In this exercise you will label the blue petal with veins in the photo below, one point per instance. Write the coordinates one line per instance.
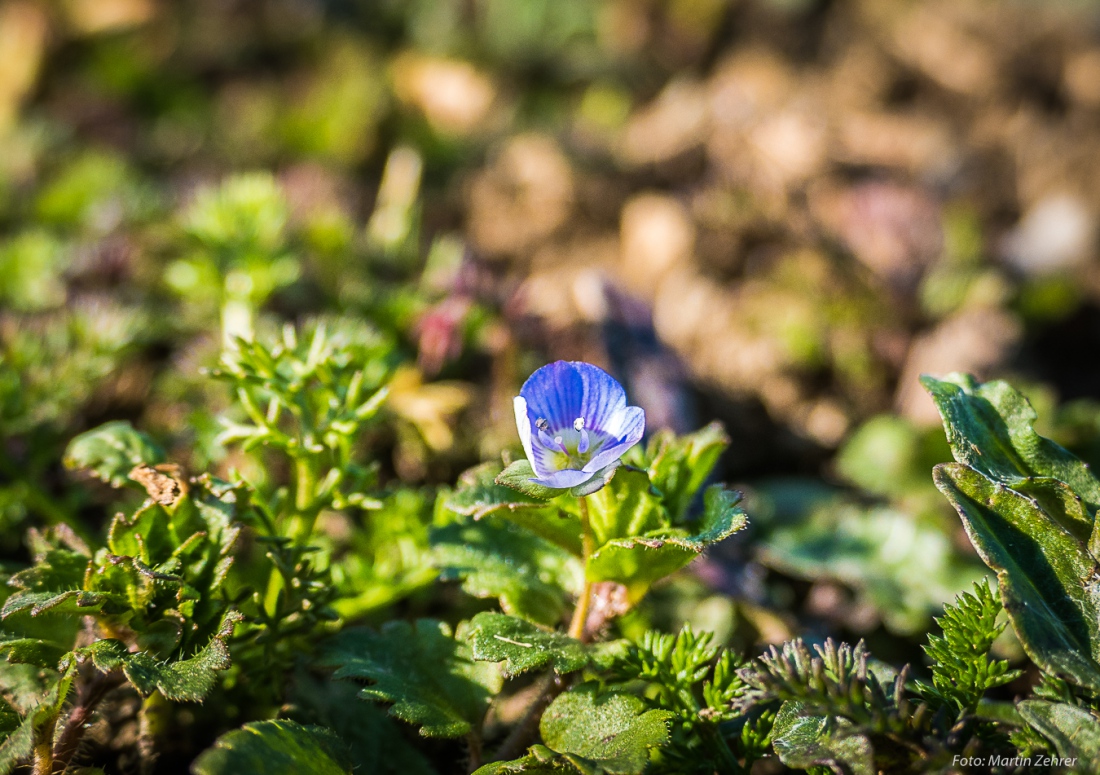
(574, 421)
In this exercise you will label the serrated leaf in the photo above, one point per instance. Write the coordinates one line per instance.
(430, 677)
(589, 733)
(1074, 731)
(1049, 583)
(531, 577)
(522, 646)
(111, 451)
(518, 476)
(275, 748)
(18, 744)
(479, 495)
(802, 740)
(374, 740)
(72, 601)
(185, 680)
(640, 560)
(990, 428)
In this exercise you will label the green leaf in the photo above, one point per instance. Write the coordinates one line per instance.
(18, 744)
(962, 670)
(589, 733)
(802, 740)
(679, 465)
(518, 477)
(640, 560)
(1047, 579)
(1074, 731)
(990, 428)
(111, 451)
(479, 495)
(522, 646)
(375, 742)
(276, 748)
(531, 577)
(186, 680)
(430, 677)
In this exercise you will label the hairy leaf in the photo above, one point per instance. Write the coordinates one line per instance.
(990, 428)
(803, 740)
(275, 747)
(1074, 731)
(522, 646)
(185, 680)
(429, 676)
(518, 476)
(589, 733)
(531, 577)
(1048, 581)
(111, 451)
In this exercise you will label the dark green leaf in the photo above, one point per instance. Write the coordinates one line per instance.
(522, 646)
(1074, 731)
(531, 577)
(802, 741)
(111, 451)
(429, 676)
(376, 743)
(275, 748)
(1047, 579)
(990, 428)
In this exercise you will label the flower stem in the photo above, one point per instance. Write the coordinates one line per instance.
(580, 613)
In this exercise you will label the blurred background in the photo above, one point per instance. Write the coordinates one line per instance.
(771, 213)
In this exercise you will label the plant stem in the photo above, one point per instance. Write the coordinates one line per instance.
(518, 738)
(88, 697)
(580, 613)
(43, 748)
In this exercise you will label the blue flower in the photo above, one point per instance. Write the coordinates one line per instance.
(573, 421)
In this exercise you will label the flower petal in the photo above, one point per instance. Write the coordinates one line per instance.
(554, 393)
(603, 397)
(561, 480)
(630, 427)
(523, 425)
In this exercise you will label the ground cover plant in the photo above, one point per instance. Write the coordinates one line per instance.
(556, 386)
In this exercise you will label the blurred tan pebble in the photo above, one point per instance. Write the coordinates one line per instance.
(95, 16)
(973, 341)
(934, 38)
(23, 28)
(674, 123)
(1082, 78)
(656, 234)
(522, 197)
(909, 142)
(453, 95)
